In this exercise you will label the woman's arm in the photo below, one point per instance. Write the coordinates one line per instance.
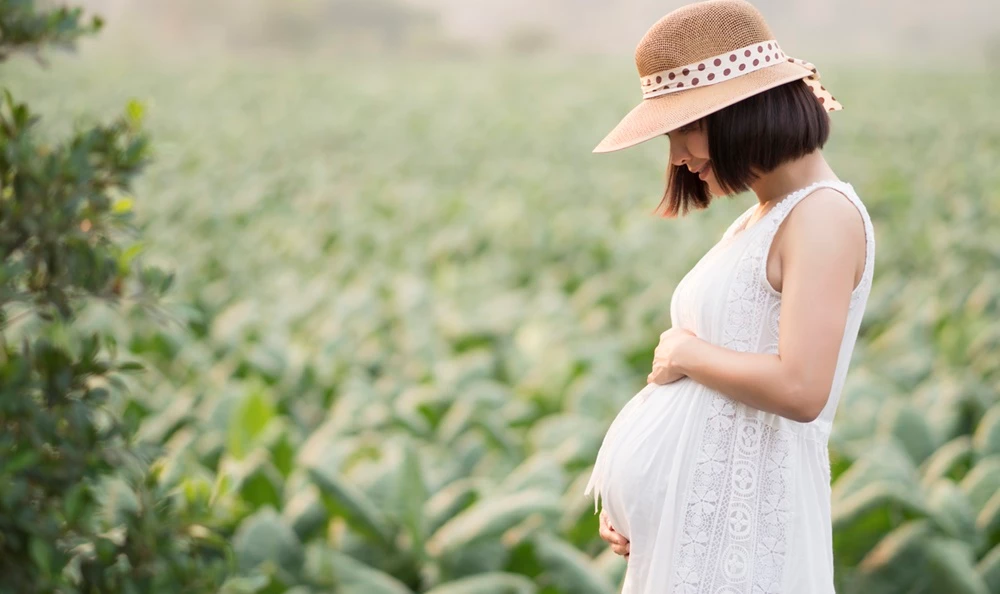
(821, 247)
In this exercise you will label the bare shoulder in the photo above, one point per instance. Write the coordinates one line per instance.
(827, 215)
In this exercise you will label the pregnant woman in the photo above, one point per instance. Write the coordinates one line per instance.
(715, 478)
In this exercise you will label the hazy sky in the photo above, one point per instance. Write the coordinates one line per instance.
(924, 28)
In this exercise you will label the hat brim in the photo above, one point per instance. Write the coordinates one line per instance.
(659, 115)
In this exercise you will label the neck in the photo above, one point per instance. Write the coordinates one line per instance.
(792, 176)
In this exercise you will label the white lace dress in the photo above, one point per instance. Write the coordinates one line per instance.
(717, 497)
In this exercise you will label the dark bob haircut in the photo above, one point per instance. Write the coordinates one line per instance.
(750, 138)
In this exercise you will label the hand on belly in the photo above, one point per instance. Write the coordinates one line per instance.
(619, 544)
(671, 343)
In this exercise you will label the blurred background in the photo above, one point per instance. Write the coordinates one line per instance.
(407, 300)
(924, 31)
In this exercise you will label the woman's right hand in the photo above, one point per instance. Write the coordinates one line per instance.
(671, 342)
(619, 544)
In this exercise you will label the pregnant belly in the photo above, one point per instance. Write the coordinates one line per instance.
(646, 451)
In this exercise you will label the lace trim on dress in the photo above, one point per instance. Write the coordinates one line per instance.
(735, 528)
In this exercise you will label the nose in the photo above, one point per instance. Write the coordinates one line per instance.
(678, 155)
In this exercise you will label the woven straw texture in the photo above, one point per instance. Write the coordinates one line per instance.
(685, 36)
(697, 31)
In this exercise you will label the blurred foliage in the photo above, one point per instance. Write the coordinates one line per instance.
(337, 26)
(407, 318)
(387, 25)
(78, 511)
(24, 27)
(991, 51)
(528, 40)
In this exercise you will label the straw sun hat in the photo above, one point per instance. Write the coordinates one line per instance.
(703, 57)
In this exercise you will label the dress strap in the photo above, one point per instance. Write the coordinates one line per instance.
(773, 219)
(786, 204)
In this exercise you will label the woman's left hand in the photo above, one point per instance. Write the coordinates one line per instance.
(665, 369)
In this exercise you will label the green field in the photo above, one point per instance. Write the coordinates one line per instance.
(410, 300)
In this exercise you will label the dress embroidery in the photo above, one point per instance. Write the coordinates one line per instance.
(735, 530)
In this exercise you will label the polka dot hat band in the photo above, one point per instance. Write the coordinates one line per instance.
(703, 57)
(722, 67)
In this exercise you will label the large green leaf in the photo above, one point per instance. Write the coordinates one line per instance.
(249, 418)
(579, 521)
(569, 569)
(326, 448)
(305, 513)
(379, 478)
(571, 437)
(541, 471)
(881, 462)
(982, 481)
(893, 565)
(952, 460)
(988, 569)
(987, 437)
(482, 556)
(425, 400)
(457, 421)
(853, 509)
(902, 421)
(264, 537)
(952, 565)
(251, 584)
(862, 520)
(255, 478)
(497, 436)
(952, 511)
(611, 565)
(345, 501)
(449, 501)
(470, 450)
(488, 583)
(412, 422)
(988, 521)
(951, 414)
(350, 576)
(489, 518)
(413, 496)
(280, 439)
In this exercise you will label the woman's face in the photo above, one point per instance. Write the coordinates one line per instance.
(689, 148)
